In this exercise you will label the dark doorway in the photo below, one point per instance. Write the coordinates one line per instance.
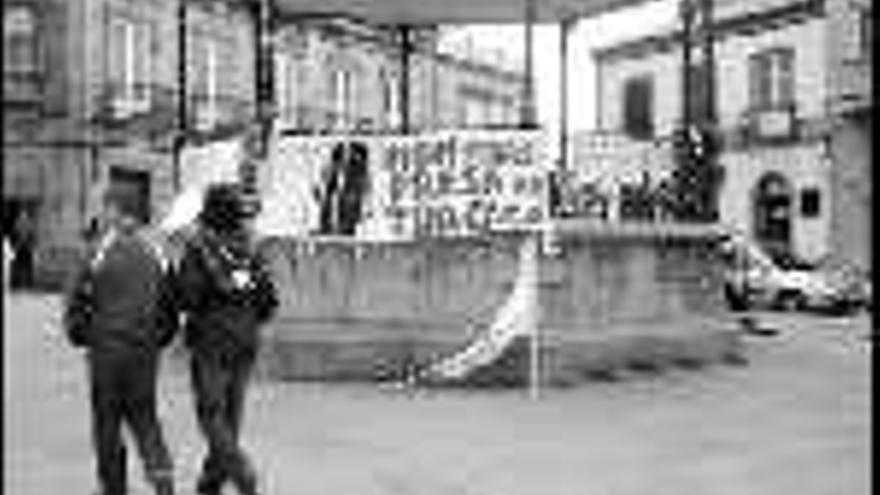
(772, 200)
(20, 226)
(136, 185)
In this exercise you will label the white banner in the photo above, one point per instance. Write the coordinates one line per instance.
(517, 317)
(403, 187)
(465, 183)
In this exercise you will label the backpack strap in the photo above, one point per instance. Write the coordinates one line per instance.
(104, 245)
(156, 250)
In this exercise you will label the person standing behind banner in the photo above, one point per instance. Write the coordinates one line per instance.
(120, 309)
(226, 294)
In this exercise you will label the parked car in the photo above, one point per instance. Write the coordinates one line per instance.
(754, 279)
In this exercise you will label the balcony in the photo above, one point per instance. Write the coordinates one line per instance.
(117, 103)
(152, 111)
(316, 119)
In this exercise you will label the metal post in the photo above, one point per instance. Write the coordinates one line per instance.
(528, 117)
(564, 28)
(264, 74)
(687, 17)
(699, 174)
(435, 98)
(182, 57)
(708, 48)
(710, 124)
(405, 34)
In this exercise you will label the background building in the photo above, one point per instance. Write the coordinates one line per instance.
(90, 102)
(851, 107)
(339, 75)
(92, 99)
(794, 109)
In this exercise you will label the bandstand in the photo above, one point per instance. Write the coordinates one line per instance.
(382, 304)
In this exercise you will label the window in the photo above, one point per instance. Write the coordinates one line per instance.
(810, 203)
(509, 111)
(129, 61)
(390, 100)
(468, 112)
(771, 79)
(638, 107)
(343, 91)
(200, 78)
(287, 87)
(211, 56)
(476, 107)
(866, 35)
(211, 89)
(20, 40)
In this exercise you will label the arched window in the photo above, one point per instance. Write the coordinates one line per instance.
(772, 200)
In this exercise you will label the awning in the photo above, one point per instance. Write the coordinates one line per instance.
(428, 12)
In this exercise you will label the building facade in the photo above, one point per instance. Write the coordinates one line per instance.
(794, 108)
(91, 102)
(93, 99)
(339, 75)
(851, 113)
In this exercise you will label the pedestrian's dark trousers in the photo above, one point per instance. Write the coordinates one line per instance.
(123, 392)
(219, 383)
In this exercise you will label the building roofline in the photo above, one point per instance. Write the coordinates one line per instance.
(378, 36)
(743, 24)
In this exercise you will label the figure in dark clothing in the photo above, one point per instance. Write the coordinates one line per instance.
(344, 188)
(23, 242)
(226, 293)
(120, 309)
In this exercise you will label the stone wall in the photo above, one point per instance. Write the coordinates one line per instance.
(352, 309)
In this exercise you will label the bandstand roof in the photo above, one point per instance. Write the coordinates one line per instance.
(428, 12)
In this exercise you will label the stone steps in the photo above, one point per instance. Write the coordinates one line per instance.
(566, 358)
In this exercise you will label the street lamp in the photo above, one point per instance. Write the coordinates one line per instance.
(697, 142)
(182, 58)
(256, 145)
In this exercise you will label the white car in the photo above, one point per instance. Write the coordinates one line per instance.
(754, 279)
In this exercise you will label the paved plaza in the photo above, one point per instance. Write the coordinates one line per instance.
(795, 420)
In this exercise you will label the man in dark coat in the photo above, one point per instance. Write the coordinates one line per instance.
(226, 293)
(120, 310)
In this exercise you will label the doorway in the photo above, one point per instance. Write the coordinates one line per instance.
(135, 185)
(772, 203)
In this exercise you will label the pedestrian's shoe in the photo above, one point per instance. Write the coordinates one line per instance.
(248, 485)
(205, 488)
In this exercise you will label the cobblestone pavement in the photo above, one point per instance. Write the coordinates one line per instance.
(795, 420)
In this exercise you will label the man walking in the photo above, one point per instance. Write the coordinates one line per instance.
(226, 293)
(120, 309)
